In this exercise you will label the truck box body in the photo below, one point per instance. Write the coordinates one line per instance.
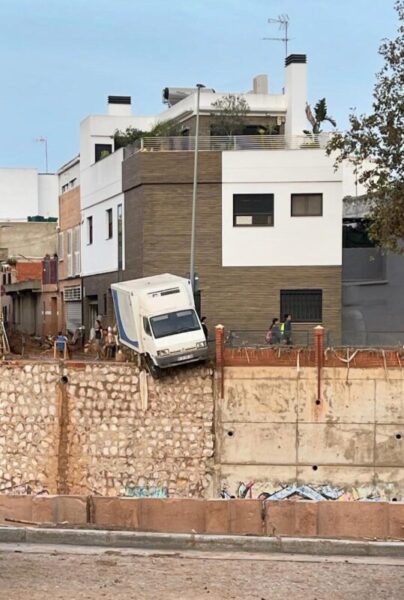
(156, 317)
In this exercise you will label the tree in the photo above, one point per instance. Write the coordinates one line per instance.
(229, 115)
(375, 145)
(130, 135)
(319, 117)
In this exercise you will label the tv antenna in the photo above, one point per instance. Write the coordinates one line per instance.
(283, 22)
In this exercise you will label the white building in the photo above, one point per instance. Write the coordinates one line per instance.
(26, 193)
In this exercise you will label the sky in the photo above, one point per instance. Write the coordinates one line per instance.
(61, 59)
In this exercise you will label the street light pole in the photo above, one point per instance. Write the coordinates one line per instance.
(194, 190)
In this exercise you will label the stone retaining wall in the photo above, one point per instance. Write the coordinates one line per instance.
(104, 429)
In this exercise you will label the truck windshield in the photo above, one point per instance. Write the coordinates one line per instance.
(175, 322)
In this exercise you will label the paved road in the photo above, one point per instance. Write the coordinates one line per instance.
(74, 573)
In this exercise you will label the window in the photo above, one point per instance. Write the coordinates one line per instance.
(175, 322)
(65, 187)
(72, 182)
(108, 214)
(89, 230)
(61, 246)
(102, 150)
(70, 253)
(307, 205)
(119, 235)
(76, 250)
(356, 235)
(253, 210)
(305, 306)
(146, 326)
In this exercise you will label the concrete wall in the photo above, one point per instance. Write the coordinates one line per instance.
(372, 297)
(32, 240)
(18, 193)
(105, 429)
(291, 241)
(271, 430)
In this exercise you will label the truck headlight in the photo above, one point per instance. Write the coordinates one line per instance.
(162, 352)
(201, 344)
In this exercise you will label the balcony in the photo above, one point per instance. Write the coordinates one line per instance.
(228, 143)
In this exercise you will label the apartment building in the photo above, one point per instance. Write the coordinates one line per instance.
(69, 251)
(269, 210)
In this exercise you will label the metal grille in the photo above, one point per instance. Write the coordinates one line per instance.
(72, 294)
(305, 306)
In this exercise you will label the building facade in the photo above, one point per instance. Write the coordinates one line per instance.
(69, 248)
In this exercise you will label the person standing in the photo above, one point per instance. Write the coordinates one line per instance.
(274, 333)
(287, 329)
(204, 327)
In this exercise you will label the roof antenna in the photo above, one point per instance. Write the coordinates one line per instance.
(283, 22)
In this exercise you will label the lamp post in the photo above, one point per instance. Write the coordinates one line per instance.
(44, 140)
(194, 190)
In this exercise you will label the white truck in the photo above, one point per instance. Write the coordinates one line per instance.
(156, 318)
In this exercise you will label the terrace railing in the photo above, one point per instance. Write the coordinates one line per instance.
(228, 143)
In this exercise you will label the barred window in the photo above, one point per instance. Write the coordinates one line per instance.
(305, 306)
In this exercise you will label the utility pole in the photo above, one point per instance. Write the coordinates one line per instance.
(283, 22)
(194, 190)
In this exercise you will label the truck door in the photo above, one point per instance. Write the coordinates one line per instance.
(147, 337)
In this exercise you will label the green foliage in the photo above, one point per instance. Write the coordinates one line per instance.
(130, 135)
(320, 116)
(375, 145)
(229, 115)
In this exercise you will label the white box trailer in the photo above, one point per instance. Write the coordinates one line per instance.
(156, 318)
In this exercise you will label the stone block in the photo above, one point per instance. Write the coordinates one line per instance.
(172, 515)
(289, 518)
(217, 516)
(44, 509)
(16, 508)
(245, 517)
(116, 512)
(353, 519)
(71, 509)
(396, 520)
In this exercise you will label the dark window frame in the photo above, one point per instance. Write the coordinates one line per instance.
(99, 149)
(110, 223)
(286, 304)
(238, 213)
(119, 230)
(297, 195)
(90, 228)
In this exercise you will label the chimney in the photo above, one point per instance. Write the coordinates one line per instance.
(296, 94)
(260, 84)
(120, 106)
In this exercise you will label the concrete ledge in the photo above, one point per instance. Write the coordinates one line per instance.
(350, 520)
(208, 543)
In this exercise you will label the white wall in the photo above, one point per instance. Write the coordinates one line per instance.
(100, 129)
(102, 255)
(296, 98)
(69, 175)
(18, 193)
(101, 189)
(292, 241)
(48, 195)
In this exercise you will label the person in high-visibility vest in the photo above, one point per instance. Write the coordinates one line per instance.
(286, 329)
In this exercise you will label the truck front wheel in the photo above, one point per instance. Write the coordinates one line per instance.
(153, 369)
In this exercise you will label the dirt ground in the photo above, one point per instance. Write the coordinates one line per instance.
(59, 575)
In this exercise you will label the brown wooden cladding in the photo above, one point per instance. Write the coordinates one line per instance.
(158, 219)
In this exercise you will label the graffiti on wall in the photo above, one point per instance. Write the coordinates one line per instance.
(303, 492)
(142, 491)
